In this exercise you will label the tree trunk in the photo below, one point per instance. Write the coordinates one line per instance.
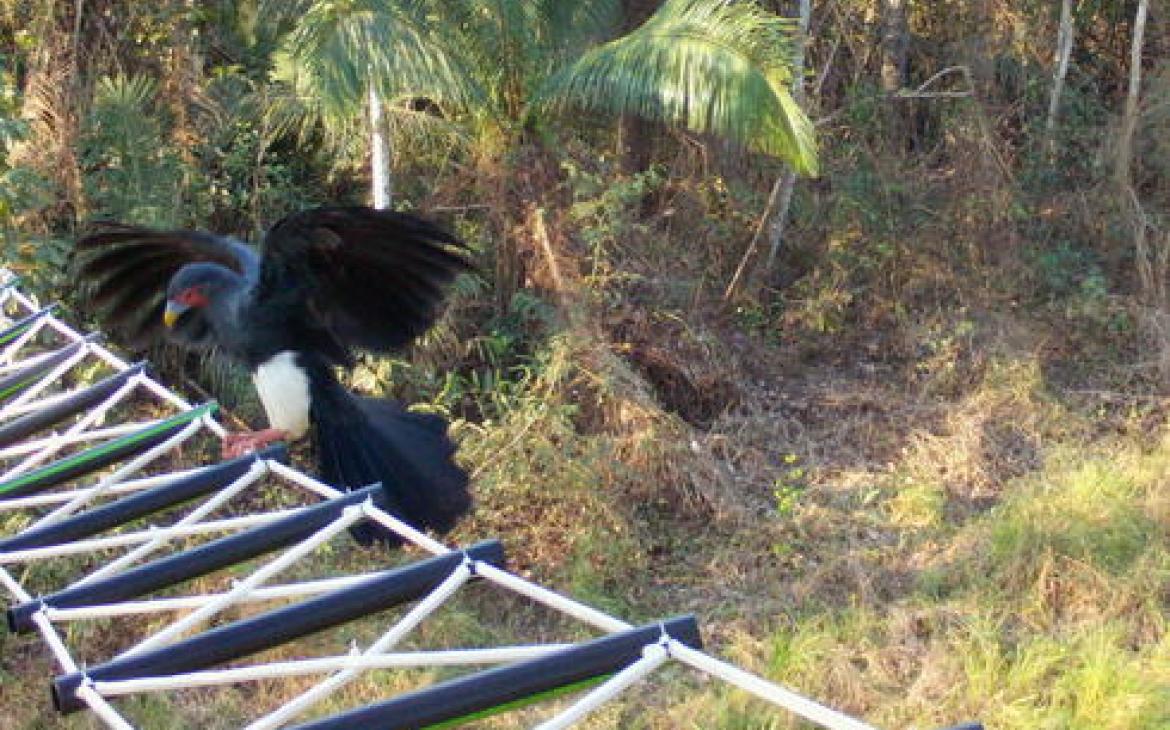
(635, 134)
(981, 48)
(788, 183)
(1064, 44)
(379, 153)
(895, 45)
(1151, 245)
(51, 105)
(894, 50)
(1129, 117)
(780, 199)
(183, 70)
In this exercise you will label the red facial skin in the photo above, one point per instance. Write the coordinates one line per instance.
(194, 296)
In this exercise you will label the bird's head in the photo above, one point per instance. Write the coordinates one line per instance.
(194, 289)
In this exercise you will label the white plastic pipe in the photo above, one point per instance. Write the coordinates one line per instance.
(653, 657)
(293, 476)
(397, 632)
(130, 485)
(24, 338)
(404, 530)
(296, 668)
(45, 402)
(97, 434)
(348, 516)
(257, 470)
(184, 603)
(549, 598)
(101, 352)
(45, 381)
(11, 367)
(764, 689)
(84, 498)
(150, 535)
(101, 708)
(372, 511)
(56, 443)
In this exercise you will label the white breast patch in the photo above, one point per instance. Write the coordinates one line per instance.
(284, 390)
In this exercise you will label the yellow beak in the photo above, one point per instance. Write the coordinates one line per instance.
(172, 313)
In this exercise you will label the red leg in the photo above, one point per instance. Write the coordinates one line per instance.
(238, 444)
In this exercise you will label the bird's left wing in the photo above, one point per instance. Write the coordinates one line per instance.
(373, 278)
(123, 271)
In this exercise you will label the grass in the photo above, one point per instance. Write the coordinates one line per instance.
(1045, 610)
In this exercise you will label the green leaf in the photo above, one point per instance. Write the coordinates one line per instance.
(712, 66)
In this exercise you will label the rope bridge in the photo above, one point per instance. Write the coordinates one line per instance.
(79, 487)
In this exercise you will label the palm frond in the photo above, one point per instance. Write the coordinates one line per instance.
(290, 112)
(511, 44)
(339, 49)
(423, 130)
(576, 24)
(714, 66)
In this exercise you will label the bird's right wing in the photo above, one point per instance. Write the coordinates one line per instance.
(123, 271)
(373, 279)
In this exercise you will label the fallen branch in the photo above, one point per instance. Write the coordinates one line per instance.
(922, 92)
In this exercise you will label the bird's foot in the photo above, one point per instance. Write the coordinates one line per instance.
(238, 444)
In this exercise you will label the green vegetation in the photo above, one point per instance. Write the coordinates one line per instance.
(916, 467)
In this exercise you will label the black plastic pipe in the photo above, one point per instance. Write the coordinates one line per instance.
(13, 383)
(266, 630)
(148, 501)
(18, 327)
(28, 424)
(201, 560)
(102, 455)
(482, 692)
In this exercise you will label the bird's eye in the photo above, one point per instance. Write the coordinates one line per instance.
(195, 296)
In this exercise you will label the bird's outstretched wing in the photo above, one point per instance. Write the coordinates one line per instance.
(123, 271)
(374, 279)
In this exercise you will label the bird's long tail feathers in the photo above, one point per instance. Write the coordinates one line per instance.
(365, 440)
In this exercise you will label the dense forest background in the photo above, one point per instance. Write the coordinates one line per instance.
(896, 431)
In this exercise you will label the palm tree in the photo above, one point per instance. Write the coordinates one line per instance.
(713, 66)
(346, 57)
(502, 67)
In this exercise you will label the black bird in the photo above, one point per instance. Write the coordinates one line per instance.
(324, 283)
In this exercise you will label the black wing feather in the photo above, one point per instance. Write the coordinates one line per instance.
(123, 271)
(119, 284)
(376, 279)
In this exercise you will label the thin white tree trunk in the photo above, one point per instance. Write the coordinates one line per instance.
(895, 45)
(740, 270)
(780, 199)
(1129, 117)
(780, 219)
(1152, 286)
(379, 153)
(788, 184)
(1064, 44)
(1151, 246)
